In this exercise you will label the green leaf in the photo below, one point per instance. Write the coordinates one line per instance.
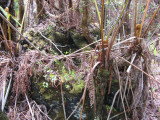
(155, 51)
(66, 77)
(3, 11)
(53, 77)
(67, 86)
(9, 15)
(45, 76)
(45, 84)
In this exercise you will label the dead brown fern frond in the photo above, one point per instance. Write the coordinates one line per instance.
(22, 75)
(23, 112)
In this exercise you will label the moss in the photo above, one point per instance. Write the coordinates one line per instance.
(80, 41)
(3, 116)
(115, 81)
(96, 33)
(48, 93)
(77, 87)
(105, 73)
(41, 43)
(51, 37)
(59, 115)
(42, 89)
(40, 86)
(59, 38)
(48, 96)
(30, 37)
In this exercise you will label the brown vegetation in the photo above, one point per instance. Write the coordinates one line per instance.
(117, 72)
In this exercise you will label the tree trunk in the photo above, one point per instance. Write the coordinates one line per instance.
(40, 12)
(61, 6)
(8, 4)
(85, 22)
(12, 12)
(70, 3)
(71, 12)
(21, 10)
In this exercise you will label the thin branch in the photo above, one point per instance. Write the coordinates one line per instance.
(51, 42)
(18, 32)
(117, 20)
(144, 16)
(151, 77)
(150, 22)
(133, 58)
(30, 107)
(112, 104)
(116, 44)
(120, 88)
(7, 92)
(102, 36)
(118, 114)
(63, 102)
(125, 86)
(42, 111)
(75, 109)
(39, 13)
(135, 19)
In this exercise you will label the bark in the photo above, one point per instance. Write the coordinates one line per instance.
(39, 9)
(70, 3)
(10, 5)
(61, 6)
(85, 30)
(21, 10)
(71, 11)
(12, 12)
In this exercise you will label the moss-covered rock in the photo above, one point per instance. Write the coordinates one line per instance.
(3, 116)
(51, 97)
(59, 37)
(79, 40)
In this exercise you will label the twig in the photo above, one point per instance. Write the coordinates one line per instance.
(125, 86)
(18, 32)
(63, 102)
(3, 93)
(120, 87)
(117, 20)
(127, 4)
(150, 22)
(7, 92)
(76, 52)
(51, 42)
(75, 109)
(131, 38)
(42, 111)
(30, 107)
(118, 114)
(153, 41)
(133, 58)
(112, 104)
(102, 56)
(144, 16)
(9, 3)
(3, 33)
(39, 13)
(137, 68)
(15, 106)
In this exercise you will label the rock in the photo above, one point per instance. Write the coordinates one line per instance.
(51, 98)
